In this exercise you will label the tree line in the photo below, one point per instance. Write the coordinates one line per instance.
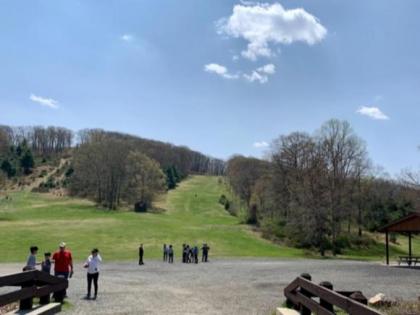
(108, 167)
(318, 191)
(43, 141)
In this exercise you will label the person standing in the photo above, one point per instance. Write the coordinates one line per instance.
(171, 254)
(165, 253)
(205, 249)
(195, 254)
(141, 254)
(31, 261)
(63, 263)
(184, 259)
(190, 254)
(92, 266)
(46, 264)
(45, 267)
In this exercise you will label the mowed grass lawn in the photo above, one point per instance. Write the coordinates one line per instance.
(192, 215)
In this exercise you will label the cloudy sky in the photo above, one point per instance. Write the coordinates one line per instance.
(220, 76)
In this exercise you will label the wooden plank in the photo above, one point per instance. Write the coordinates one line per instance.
(18, 295)
(17, 279)
(48, 289)
(45, 278)
(312, 305)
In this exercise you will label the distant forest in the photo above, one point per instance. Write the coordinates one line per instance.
(319, 191)
(108, 167)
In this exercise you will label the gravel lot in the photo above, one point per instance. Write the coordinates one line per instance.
(251, 286)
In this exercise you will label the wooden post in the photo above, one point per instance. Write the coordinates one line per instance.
(304, 310)
(323, 303)
(387, 247)
(43, 300)
(359, 297)
(26, 304)
(410, 253)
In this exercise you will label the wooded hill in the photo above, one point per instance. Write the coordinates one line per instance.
(109, 167)
(318, 191)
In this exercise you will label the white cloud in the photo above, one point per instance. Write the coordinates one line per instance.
(127, 37)
(220, 70)
(372, 112)
(261, 144)
(263, 25)
(261, 74)
(47, 102)
(268, 69)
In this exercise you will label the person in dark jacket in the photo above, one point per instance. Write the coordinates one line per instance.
(46, 264)
(184, 259)
(165, 253)
(195, 254)
(141, 254)
(205, 249)
(170, 254)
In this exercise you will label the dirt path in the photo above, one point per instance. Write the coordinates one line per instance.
(224, 286)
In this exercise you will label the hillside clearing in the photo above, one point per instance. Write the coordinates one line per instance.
(189, 214)
(192, 215)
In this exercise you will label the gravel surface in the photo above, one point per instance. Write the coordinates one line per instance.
(251, 286)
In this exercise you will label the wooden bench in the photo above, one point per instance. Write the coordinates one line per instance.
(409, 260)
(33, 284)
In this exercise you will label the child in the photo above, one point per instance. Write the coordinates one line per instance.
(92, 266)
(46, 264)
(31, 262)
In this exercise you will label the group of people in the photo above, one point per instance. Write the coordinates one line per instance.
(63, 265)
(189, 253)
(63, 262)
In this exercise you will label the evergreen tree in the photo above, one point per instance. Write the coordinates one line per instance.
(27, 161)
(171, 177)
(8, 168)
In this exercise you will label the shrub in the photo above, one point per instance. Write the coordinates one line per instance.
(227, 205)
(223, 200)
(69, 172)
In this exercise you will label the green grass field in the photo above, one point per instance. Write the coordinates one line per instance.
(192, 215)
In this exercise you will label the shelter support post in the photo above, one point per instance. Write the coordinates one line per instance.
(410, 252)
(387, 247)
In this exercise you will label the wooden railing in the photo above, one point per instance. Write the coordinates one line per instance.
(311, 298)
(32, 284)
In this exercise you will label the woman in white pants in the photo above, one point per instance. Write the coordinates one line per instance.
(92, 266)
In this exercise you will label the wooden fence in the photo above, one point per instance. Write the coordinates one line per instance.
(32, 284)
(310, 298)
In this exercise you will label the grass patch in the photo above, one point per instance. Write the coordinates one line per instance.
(191, 215)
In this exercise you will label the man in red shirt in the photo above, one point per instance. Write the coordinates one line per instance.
(63, 262)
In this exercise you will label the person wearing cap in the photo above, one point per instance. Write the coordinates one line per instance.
(63, 262)
(92, 266)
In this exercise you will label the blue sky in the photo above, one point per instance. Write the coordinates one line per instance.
(218, 80)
